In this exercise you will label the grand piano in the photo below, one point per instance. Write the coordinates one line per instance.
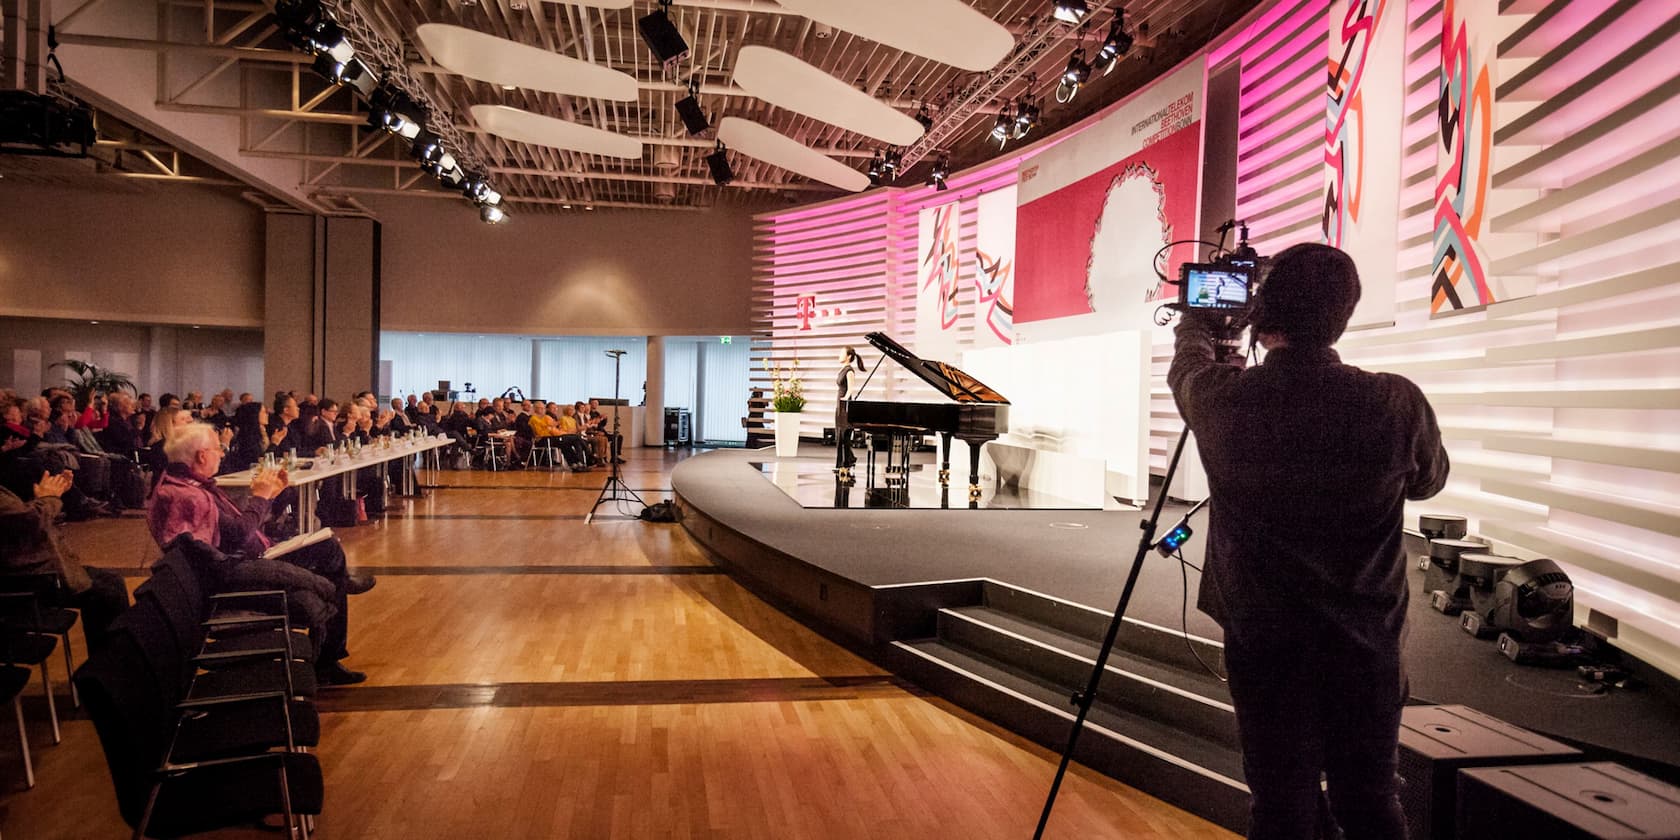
(976, 414)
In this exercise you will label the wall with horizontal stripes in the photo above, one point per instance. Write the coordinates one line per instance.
(1560, 409)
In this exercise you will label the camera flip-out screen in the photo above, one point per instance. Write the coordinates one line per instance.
(1212, 286)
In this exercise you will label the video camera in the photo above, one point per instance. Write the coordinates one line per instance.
(1225, 284)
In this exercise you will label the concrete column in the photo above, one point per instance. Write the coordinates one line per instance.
(653, 422)
(289, 315)
(536, 371)
(348, 345)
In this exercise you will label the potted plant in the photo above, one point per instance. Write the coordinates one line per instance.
(91, 379)
(787, 398)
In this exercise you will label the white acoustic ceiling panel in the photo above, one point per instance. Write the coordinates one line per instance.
(786, 82)
(487, 58)
(947, 31)
(754, 140)
(526, 127)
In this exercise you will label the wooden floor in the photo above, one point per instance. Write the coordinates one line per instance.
(531, 676)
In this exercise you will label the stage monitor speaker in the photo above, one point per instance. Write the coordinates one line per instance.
(1438, 741)
(662, 38)
(1599, 800)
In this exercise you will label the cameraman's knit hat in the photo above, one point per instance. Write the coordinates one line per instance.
(1308, 296)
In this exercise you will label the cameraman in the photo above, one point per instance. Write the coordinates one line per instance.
(1310, 463)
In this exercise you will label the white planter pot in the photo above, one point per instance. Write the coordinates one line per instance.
(787, 434)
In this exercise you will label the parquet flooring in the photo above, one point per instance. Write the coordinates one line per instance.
(534, 677)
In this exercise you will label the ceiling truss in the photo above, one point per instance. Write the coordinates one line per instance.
(227, 58)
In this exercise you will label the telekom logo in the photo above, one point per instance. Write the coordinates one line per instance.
(805, 309)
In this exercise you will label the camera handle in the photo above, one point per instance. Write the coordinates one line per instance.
(1084, 699)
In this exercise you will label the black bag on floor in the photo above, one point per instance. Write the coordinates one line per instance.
(93, 475)
(372, 489)
(661, 512)
(128, 483)
(335, 511)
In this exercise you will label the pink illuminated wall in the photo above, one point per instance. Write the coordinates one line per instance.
(1560, 406)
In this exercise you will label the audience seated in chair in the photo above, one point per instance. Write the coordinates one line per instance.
(30, 543)
(188, 501)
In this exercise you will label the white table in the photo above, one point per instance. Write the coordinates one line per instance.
(320, 469)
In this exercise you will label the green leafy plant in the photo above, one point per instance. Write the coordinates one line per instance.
(787, 390)
(91, 378)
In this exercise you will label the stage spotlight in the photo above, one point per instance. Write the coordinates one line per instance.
(875, 169)
(1070, 11)
(492, 214)
(427, 149)
(941, 170)
(1073, 77)
(452, 177)
(475, 187)
(1026, 118)
(718, 163)
(390, 110)
(352, 72)
(1003, 128)
(889, 164)
(1117, 44)
(694, 119)
(662, 37)
(925, 118)
(1534, 602)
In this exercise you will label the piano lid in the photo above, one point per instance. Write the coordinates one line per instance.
(947, 379)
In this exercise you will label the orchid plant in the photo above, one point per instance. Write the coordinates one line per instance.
(787, 389)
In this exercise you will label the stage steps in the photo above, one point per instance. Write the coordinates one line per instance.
(1161, 723)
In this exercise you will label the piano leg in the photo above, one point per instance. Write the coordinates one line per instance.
(945, 460)
(973, 471)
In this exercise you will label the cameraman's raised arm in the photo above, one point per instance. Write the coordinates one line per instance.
(1196, 373)
(1429, 457)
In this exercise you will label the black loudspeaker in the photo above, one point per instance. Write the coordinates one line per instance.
(1566, 802)
(1437, 741)
(662, 37)
(693, 118)
(718, 162)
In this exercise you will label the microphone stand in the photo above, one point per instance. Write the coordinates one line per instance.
(614, 489)
(1085, 698)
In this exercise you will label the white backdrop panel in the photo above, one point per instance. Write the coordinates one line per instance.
(1085, 397)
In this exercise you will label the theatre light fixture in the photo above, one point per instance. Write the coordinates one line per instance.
(925, 118)
(688, 108)
(1075, 76)
(1004, 127)
(718, 163)
(1026, 111)
(1070, 11)
(1116, 45)
(390, 110)
(941, 170)
(662, 37)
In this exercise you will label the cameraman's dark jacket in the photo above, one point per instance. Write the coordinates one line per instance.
(1309, 462)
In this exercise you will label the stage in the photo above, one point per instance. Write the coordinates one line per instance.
(911, 587)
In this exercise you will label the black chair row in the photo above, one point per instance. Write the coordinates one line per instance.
(31, 627)
(203, 704)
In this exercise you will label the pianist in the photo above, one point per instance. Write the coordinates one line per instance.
(1310, 462)
(847, 381)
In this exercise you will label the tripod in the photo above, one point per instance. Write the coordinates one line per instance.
(615, 490)
(1087, 697)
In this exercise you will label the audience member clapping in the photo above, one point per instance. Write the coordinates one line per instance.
(188, 502)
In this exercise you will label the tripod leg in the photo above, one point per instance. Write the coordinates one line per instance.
(1089, 696)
